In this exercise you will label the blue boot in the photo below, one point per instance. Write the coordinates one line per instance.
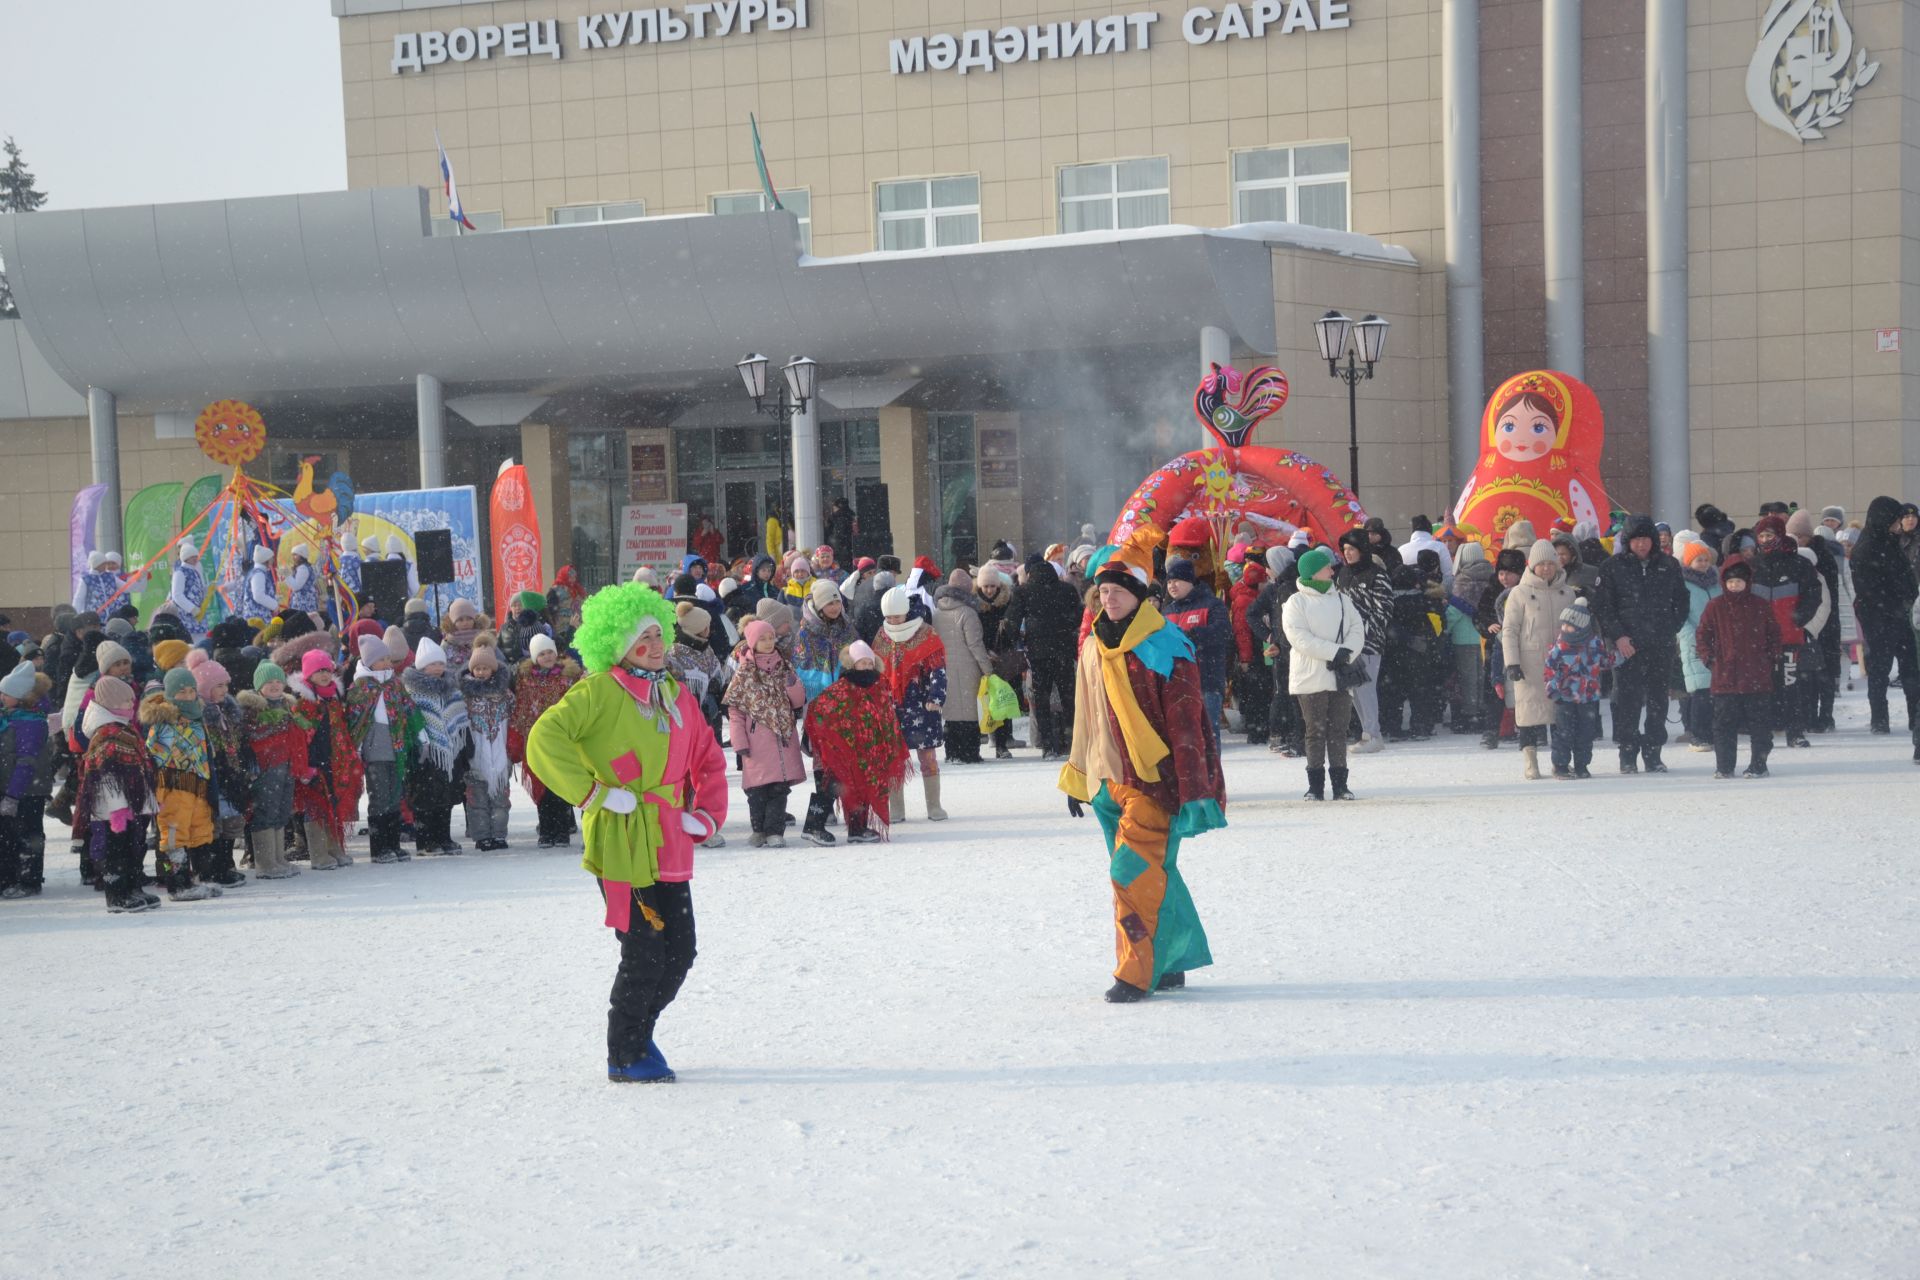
(650, 1069)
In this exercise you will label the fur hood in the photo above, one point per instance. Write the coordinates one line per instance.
(526, 666)
(250, 701)
(287, 656)
(158, 709)
(497, 684)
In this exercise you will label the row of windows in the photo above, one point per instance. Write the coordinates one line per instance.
(1307, 184)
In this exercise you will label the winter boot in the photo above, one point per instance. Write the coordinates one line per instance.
(1651, 755)
(1531, 754)
(897, 804)
(819, 808)
(1340, 791)
(1172, 982)
(931, 782)
(1563, 773)
(1125, 993)
(1629, 759)
(270, 855)
(1316, 784)
(123, 898)
(1491, 739)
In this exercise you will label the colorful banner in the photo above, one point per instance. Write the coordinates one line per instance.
(515, 527)
(200, 495)
(81, 521)
(653, 533)
(147, 528)
(407, 512)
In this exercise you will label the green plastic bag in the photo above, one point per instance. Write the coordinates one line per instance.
(999, 704)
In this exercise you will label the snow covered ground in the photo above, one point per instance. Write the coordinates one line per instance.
(1471, 1026)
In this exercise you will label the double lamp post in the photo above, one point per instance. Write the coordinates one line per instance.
(796, 408)
(1341, 336)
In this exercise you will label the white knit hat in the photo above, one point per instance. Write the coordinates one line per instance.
(896, 602)
(110, 557)
(370, 546)
(428, 653)
(395, 547)
(263, 556)
(188, 548)
(305, 553)
(541, 644)
(94, 561)
(19, 682)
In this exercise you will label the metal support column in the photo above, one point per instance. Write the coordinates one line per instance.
(1216, 347)
(808, 532)
(1561, 187)
(1667, 364)
(431, 409)
(103, 418)
(1466, 340)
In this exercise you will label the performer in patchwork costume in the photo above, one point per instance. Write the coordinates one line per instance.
(629, 746)
(1143, 757)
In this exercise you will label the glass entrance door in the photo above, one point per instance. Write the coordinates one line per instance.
(746, 500)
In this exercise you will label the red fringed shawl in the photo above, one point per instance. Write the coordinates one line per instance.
(855, 736)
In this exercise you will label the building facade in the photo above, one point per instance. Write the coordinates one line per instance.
(1012, 235)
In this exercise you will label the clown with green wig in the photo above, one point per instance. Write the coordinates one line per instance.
(630, 748)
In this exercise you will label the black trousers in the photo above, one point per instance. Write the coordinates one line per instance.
(1735, 713)
(963, 742)
(554, 814)
(1285, 721)
(1052, 672)
(767, 808)
(23, 845)
(1253, 693)
(1792, 679)
(655, 953)
(1640, 698)
(121, 855)
(1889, 641)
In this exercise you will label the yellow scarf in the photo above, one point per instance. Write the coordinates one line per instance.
(1145, 747)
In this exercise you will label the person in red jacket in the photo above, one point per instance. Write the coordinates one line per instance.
(1253, 678)
(1739, 640)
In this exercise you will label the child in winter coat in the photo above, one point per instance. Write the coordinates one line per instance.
(276, 739)
(855, 740)
(1573, 669)
(487, 688)
(538, 683)
(1739, 640)
(438, 770)
(763, 701)
(232, 792)
(913, 667)
(183, 773)
(329, 797)
(116, 795)
(384, 724)
(1700, 569)
(693, 662)
(26, 780)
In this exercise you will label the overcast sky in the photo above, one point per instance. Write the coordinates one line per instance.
(148, 101)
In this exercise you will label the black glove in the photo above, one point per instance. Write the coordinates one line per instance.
(1343, 657)
(1515, 675)
(1075, 808)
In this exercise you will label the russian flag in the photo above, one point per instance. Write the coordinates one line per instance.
(454, 210)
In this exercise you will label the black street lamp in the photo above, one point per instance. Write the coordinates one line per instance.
(797, 385)
(1341, 336)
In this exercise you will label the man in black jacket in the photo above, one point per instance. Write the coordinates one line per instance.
(1640, 605)
(1202, 616)
(1824, 659)
(1045, 617)
(1286, 728)
(1883, 592)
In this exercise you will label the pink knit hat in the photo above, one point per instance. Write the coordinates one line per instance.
(315, 660)
(208, 674)
(756, 631)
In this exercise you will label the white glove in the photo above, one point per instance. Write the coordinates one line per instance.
(423, 737)
(692, 825)
(620, 802)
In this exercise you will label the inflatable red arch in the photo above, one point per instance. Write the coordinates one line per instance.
(1234, 482)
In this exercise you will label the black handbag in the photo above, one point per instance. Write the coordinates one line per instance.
(1352, 673)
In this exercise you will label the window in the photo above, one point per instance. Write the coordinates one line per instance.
(928, 212)
(491, 220)
(597, 485)
(798, 203)
(1304, 184)
(567, 215)
(950, 455)
(1117, 196)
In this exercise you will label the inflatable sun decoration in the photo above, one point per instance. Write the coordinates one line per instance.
(231, 432)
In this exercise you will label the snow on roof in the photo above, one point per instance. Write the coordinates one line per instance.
(1292, 235)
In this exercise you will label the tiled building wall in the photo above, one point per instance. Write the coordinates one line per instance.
(1800, 252)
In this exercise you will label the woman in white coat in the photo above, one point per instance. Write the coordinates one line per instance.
(1324, 628)
(1528, 630)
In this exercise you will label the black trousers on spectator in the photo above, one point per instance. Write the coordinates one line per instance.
(1253, 692)
(1735, 713)
(1889, 641)
(555, 815)
(23, 846)
(1792, 678)
(655, 953)
(1052, 672)
(767, 808)
(1640, 698)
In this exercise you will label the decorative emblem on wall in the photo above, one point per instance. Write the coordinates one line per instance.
(1800, 80)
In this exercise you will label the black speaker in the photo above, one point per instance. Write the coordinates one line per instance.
(383, 588)
(433, 556)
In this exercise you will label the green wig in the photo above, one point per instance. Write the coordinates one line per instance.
(613, 618)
